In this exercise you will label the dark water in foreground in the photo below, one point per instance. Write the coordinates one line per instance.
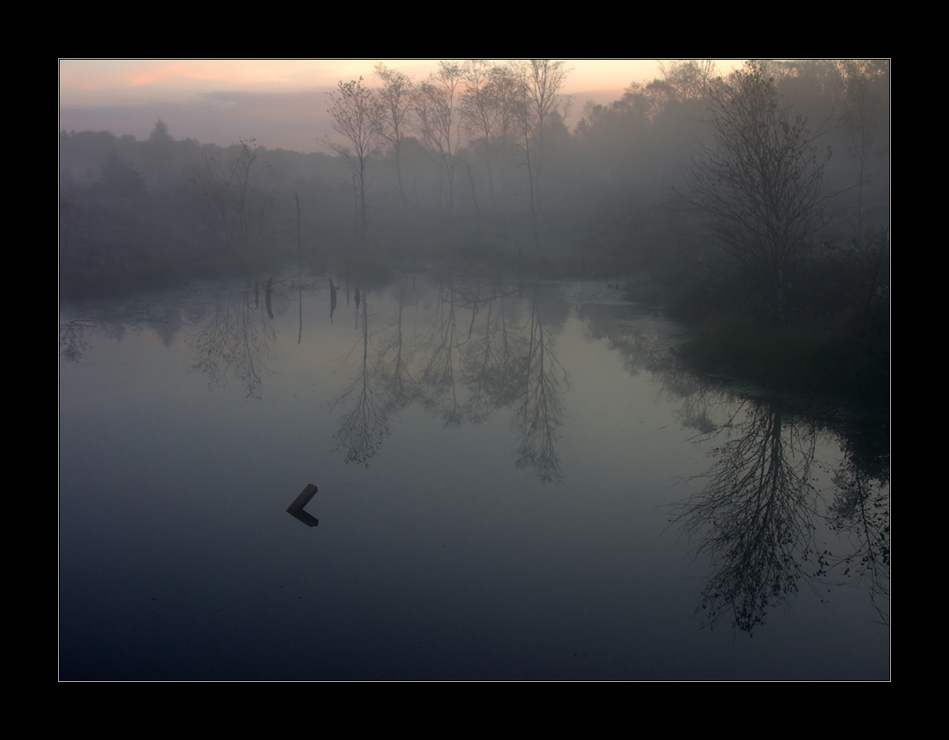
(514, 483)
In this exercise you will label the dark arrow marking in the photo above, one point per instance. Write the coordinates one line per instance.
(296, 508)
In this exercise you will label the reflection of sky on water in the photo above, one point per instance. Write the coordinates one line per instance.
(441, 558)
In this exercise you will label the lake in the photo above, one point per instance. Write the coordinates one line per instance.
(515, 481)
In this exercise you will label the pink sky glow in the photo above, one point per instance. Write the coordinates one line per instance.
(280, 102)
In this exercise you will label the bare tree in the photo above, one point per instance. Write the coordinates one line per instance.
(760, 183)
(482, 108)
(542, 81)
(229, 189)
(210, 185)
(541, 103)
(437, 119)
(353, 110)
(394, 103)
(241, 171)
(689, 80)
(863, 115)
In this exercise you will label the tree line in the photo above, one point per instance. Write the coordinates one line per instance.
(479, 152)
(761, 194)
(503, 111)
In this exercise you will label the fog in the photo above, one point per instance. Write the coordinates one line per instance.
(280, 103)
(554, 279)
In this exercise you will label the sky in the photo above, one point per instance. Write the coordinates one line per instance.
(281, 103)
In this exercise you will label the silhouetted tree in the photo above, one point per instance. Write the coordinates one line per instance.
(864, 101)
(160, 134)
(354, 113)
(541, 104)
(690, 79)
(483, 107)
(228, 188)
(394, 103)
(760, 182)
(438, 120)
(242, 183)
(158, 153)
(121, 178)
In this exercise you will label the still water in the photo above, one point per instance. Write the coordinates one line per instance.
(514, 482)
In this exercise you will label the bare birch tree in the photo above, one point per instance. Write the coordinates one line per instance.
(394, 103)
(353, 110)
(230, 190)
(541, 103)
(437, 119)
(482, 110)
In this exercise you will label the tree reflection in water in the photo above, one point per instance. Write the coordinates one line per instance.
(755, 515)
(539, 411)
(439, 375)
(363, 430)
(236, 337)
(469, 356)
(860, 511)
(71, 339)
(493, 352)
(483, 347)
(398, 385)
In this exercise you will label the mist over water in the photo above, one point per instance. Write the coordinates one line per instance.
(514, 481)
(478, 380)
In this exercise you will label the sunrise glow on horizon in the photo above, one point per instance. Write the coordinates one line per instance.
(277, 101)
(110, 82)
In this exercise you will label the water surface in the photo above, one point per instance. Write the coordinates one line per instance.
(514, 482)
